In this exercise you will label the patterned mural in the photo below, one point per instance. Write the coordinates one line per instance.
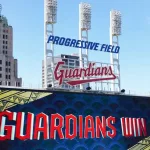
(10, 98)
(77, 104)
(142, 145)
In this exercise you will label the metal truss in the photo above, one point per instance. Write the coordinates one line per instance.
(115, 31)
(50, 18)
(84, 26)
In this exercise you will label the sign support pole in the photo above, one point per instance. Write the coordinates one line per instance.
(84, 26)
(50, 13)
(115, 31)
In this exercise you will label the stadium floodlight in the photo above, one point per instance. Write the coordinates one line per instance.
(50, 18)
(116, 22)
(115, 31)
(0, 9)
(51, 11)
(84, 27)
(85, 13)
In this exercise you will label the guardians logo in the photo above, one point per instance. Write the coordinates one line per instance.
(29, 126)
(83, 75)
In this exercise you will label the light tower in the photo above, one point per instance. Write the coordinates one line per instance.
(115, 31)
(84, 27)
(0, 9)
(50, 18)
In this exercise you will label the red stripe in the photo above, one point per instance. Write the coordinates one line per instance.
(75, 82)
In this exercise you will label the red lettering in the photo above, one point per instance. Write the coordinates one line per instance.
(104, 71)
(20, 126)
(89, 128)
(90, 71)
(98, 71)
(59, 76)
(80, 127)
(93, 74)
(10, 130)
(76, 73)
(82, 72)
(127, 127)
(100, 126)
(110, 71)
(55, 127)
(109, 121)
(135, 128)
(142, 127)
(68, 73)
(41, 118)
(68, 118)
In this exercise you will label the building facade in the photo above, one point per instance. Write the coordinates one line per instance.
(8, 65)
(71, 61)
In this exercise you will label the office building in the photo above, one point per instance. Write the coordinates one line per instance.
(8, 65)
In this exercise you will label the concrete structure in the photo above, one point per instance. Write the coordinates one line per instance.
(8, 65)
(71, 61)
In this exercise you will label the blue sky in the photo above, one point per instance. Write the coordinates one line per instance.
(26, 17)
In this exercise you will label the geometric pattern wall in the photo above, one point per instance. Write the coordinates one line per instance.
(10, 98)
(142, 145)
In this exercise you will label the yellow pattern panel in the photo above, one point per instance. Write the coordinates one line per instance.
(142, 145)
(10, 98)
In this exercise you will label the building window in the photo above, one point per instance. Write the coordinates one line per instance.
(18, 83)
(6, 36)
(6, 69)
(0, 68)
(3, 47)
(0, 75)
(71, 64)
(71, 60)
(6, 47)
(0, 61)
(9, 70)
(6, 63)
(6, 77)
(9, 64)
(9, 83)
(3, 36)
(0, 82)
(9, 77)
(6, 52)
(6, 42)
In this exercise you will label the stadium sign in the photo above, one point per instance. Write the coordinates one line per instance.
(83, 44)
(50, 126)
(82, 75)
(66, 120)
